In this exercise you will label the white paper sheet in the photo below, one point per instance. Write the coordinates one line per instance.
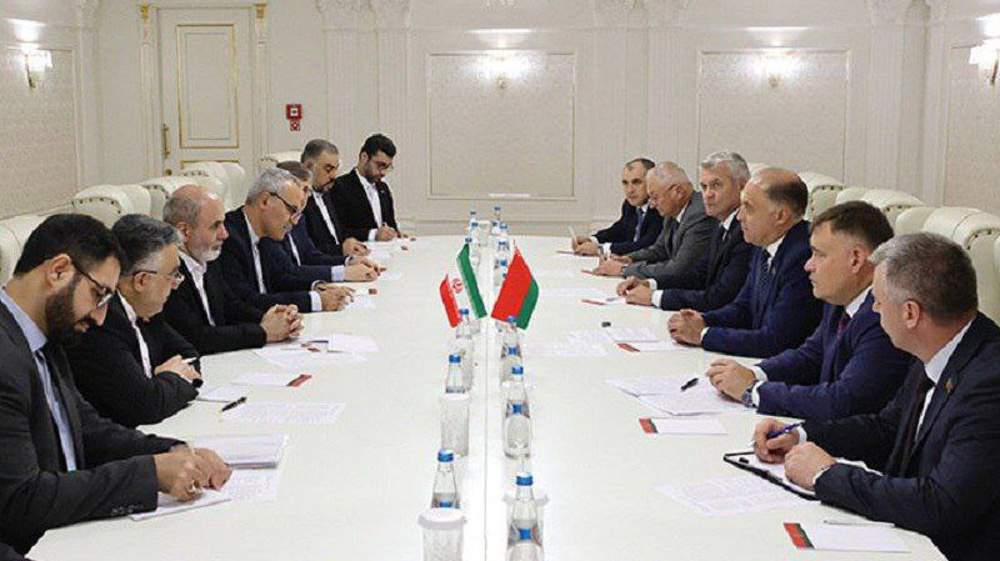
(360, 302)
(631, 334)
(562, 349)
(553, 274)
(578, 293)
(589, 336)
(702, 398)
(285, 413)
(277, 379)
(777, 470)
(652, 385)
(245, 451)
(861, 537)
(667, 346)
(346, 343)
(688, 426)
(607, 301)
(220, 394)
(299, 360)
(390, 276)
(165, 504)
(729, 496)
(252, 486)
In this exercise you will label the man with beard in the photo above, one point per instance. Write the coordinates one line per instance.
(322, 158)
(203, 309)
(62, 463)
(363, 199)
(135, 369)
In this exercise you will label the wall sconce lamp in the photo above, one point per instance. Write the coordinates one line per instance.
(987, 57)
(36, 61)
(503, 67)
(776, 66)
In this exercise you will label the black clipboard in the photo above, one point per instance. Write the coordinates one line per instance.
(739, 460)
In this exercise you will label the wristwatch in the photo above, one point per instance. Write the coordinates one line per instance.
(747, 398)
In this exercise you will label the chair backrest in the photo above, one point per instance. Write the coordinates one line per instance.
(978, 234)
(14, 232)
(823, 191)
(239, 184)
(850, 194)
(211, 169)
(141, 198)
(106, 203)
(210, 183)
(160, 189)
(275, 158)
(757, 166)
(891, 202)
(912, 219)
(947, 220)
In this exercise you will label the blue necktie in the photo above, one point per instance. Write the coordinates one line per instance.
(638, 225)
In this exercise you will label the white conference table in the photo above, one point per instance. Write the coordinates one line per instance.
(354, 489)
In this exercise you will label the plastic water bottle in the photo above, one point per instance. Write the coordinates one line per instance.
(524, 549)
(510, 337)
(515, 392)
(523, 524)
(503, 251)
(499, 275)
(504, 234)
(495, 226)
(517, 433)
(466, 347)
(473, 253)
(511, 359)
(445, 493)
(455, 382)
(473, 224)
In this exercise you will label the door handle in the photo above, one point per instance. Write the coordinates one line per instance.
(165, 138)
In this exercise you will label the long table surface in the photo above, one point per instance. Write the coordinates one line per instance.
(354, 489)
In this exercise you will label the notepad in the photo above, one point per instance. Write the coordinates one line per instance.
(843, 537)
(251, 451)
(165, 504)
(775, 472)
(252, 486)
(631, 334)
(285, 413)
(220, 394)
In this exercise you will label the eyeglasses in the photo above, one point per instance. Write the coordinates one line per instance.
(103, 293)
(382, 166)
(175, 277)
(292, 209)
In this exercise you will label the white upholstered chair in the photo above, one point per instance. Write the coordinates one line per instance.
(823, 191)
(977, 232)
(850, 194)
(106, 203)
(14, 232)
(891, 202)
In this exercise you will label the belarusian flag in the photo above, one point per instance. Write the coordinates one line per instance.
(448, 299)
(469, 281)
(518, 295)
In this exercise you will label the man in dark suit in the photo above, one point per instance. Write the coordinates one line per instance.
(775, 310)
(203, 309)
(848, 365)
(936, 445)
(7, 553)
(274, 200)
(135, 368)
(63, 463)
(322, 159)
(362, 198)
(637, 228)
(723, 175)
(679, 256)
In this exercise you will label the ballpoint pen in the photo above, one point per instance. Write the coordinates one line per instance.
(689, 384)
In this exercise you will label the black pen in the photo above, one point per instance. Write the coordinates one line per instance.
(234, 404)
(689, 384)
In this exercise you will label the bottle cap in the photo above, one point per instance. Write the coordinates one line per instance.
(468, 239)
(524, 534)
(463, 311)
(517, 407)
(517, 369)
(446, 455)
(511, 319)
(454, 358)
(525, 479)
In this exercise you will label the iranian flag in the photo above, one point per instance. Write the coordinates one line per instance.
(469, 281)
(518, 295)
(448, 299)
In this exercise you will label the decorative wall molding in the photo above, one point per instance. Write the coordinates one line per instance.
(86, 12)
(260, 80)
(885, 12)
(612, 13)
(939, 10)
(147, 62)
(391, 14)
(665, 12)
(342, 14)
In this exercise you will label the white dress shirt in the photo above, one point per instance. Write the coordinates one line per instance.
(337, 272)
(372, 193)
(197, 271)
(607, 245)
(147, 368)
(36, 341)
(325, 213)
(657, 296)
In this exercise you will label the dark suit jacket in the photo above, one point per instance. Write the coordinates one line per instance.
(621, 233)
(354, 211)
(728, 263)
(115, 474)
(763, 325)
(108, 368)
(7, 553)
(236, 263)
(237, 323)
(949, 489)
(282, 273)
(831, 376)
(324, 240)
(679, 256)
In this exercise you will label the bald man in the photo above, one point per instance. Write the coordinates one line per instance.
(679, 256)
(775, 310)
(203, 308)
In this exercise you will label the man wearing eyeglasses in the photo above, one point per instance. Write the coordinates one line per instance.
(60, 461)
(362, 198)
(136, 369)
(273, 204)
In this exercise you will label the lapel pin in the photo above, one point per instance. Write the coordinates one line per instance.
(949, 385)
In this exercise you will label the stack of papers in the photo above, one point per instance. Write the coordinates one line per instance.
(651, 385)
(165, 504)
(728, 496)
(699, 399)
(246, 451)
(777, 471)
(220, 394)
(285, 413)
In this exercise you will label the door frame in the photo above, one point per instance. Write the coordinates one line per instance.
(150, 79)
